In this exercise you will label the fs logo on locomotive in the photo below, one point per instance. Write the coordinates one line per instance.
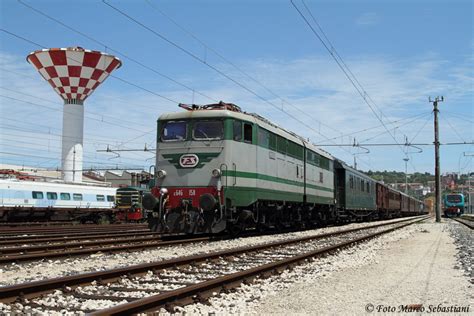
(188, 161)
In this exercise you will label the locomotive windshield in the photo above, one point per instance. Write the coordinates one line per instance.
(208, 130)
(454, 198)
(174, 131)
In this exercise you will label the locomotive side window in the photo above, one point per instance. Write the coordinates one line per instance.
(100, 198)
(263, 138)
(37, 195)
(110, 198)
(65, 196)
(321, 179)
(247, 133)
(51, 195)
(272, 142)
(174, 131)
(281, 145)
(208, 130)
(237, 131)
(77, 197)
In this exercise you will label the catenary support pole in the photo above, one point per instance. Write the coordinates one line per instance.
(437, 164)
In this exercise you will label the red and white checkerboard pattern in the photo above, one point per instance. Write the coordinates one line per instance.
(75, 72)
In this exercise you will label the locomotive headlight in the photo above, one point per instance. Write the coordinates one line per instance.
(163, 191)
(216, 173)
(161, 174)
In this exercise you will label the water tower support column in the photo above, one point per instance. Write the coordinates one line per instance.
(72, 141)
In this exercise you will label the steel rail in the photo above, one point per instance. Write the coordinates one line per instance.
(85, 251)
(33, 289)
(68, 225)
(187, 293)
(33, 236)
(74, 238)
(67, 245)
(68, 230)
(468, 223)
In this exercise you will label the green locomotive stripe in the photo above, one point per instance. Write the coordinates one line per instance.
(243, 196)
(259, 176)
(203, 158)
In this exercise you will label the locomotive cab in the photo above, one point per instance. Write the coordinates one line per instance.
(188, 197)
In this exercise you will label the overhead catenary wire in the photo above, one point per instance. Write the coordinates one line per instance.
(422, 128)
(111, 75)
(199, 59)
(50, 101)
(411, 118)
(359, 88)
(59, 136)
(36, 132)
(397, 144)
(221, 56)
(458, 116)
(454, 129)
(116, 51)
(61, 110)
(397, 127)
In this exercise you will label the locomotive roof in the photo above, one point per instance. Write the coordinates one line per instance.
(250, 117)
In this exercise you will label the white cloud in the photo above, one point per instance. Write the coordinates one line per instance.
(314, 85)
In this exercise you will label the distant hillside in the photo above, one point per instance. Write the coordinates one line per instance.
(399, 177)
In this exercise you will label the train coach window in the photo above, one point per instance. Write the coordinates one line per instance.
(174, 131)
(368, 187)
(110, 198)
(100, 198)
(237, 129)
(247, 133)
(65, 196)
(51, 195)
(208, 130)
(37, 195)
(77, 197)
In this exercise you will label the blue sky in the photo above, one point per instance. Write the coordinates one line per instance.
(400, 51)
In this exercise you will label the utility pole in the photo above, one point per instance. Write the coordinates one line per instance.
(406, 175)
(437, 171)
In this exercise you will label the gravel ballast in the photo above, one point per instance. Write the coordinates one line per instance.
(414, 265)
(425, 263)
(420, 269)
(43, 269)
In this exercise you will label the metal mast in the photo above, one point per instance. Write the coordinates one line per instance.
(437, 168)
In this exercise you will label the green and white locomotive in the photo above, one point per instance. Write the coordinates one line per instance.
(218, 168)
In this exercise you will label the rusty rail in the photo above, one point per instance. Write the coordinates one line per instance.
(132, 245)
(468, 223)
(33, 289)
(186, 294)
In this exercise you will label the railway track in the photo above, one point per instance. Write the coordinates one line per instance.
(18, 239)
(178, 281)
(50, 239)
(71, 249)
(466, 222)
(6, 232)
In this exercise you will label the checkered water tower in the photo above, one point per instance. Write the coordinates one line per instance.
(74, 73)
